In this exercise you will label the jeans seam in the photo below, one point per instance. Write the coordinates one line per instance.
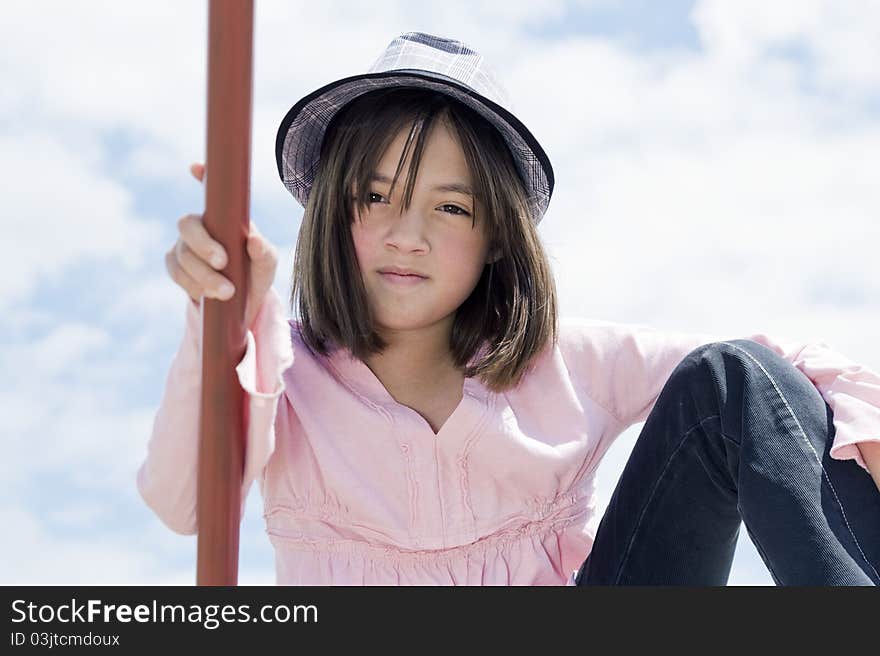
(653, 491)
(816, 455)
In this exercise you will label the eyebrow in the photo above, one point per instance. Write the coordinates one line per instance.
(456, 187)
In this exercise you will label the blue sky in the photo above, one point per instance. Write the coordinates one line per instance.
(638, 23)
(714, 167)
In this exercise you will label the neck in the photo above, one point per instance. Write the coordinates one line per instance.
(415, 360)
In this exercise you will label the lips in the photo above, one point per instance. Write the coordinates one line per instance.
(399, 279)
(401, 272)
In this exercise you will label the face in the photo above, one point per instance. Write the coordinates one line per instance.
(434, 237)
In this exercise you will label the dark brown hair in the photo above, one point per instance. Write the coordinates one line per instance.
(513, 306)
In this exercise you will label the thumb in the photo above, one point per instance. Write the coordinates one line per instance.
(259, 248)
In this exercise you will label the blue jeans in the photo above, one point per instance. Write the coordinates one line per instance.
(738, 435)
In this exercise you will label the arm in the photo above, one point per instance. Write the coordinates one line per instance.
(624, 367)
(167, 478)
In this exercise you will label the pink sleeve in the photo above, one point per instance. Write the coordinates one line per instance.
(168, 476)
(624, 367)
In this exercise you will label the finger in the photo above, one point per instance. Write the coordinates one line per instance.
(253, 231)
(196, 236)
(256, 241)
(256, 246)
(213, 284)
(266, 255)
(181, 277)
(198, 170)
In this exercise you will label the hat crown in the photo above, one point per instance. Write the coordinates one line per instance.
(448, 58)
(413, 60)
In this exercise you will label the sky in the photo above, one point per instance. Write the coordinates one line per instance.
(713, 167)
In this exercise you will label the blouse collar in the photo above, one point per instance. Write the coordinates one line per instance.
(362, 378)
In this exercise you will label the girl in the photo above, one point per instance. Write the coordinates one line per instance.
(427, 420)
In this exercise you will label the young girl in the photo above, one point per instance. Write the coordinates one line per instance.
(426, 421)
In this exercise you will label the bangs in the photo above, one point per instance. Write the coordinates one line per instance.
(384, 126)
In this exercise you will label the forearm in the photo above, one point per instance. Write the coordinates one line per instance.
(871, 453)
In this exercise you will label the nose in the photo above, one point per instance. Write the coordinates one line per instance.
(406, 230)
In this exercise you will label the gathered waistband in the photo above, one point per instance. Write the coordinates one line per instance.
(577, 510)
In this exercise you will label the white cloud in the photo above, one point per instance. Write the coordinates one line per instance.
(62, 209)
(842, 40)
(43, 551)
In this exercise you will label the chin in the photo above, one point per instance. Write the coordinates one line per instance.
(402, 324)
(411, 322)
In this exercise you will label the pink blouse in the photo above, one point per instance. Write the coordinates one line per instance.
(358, 490)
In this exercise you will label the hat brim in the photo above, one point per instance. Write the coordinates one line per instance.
(301, 133)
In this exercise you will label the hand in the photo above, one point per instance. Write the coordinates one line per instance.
(191, 264)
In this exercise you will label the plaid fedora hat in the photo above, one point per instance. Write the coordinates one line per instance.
(413, 59)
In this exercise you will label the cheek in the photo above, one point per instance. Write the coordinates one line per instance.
(359, 241)
(465, 260)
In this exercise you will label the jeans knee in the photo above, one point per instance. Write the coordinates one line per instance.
(738, 361)
(735, 361)
(694, 374)
(745, 354)
(698, 361)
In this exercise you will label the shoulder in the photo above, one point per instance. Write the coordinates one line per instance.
(295, 329)
(579, 340)
(299, 343)
(577, 333)
(306, 358)
(589, 344)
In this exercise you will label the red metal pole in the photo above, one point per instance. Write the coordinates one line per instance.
(223, 419)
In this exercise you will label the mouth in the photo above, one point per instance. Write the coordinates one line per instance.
(400, 279)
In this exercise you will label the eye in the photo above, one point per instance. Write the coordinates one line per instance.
(459, 212)
(455, 210)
